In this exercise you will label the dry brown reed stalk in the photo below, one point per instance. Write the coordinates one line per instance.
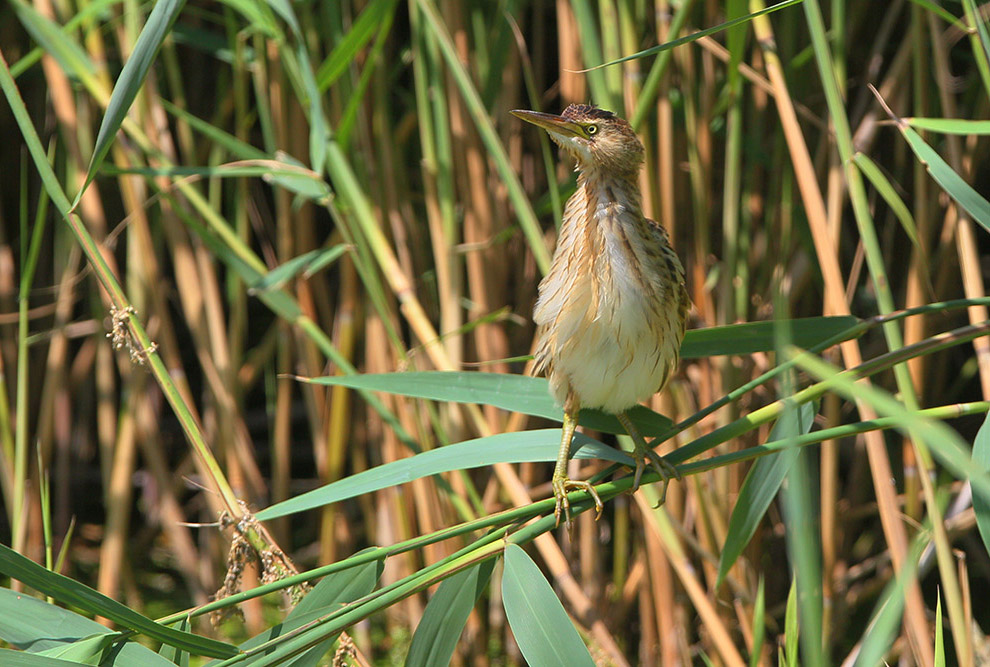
(835, 303)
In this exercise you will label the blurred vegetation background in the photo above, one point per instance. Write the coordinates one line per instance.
(323, 188)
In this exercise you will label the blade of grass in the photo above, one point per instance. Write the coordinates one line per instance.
(517, 393)
(953, 184)
(697, 35)
(759, 625)
(981, 459)
(130, 80)
(68, 591)
(364, 28)
(950, 125)
(525, 446)
(443, 620)
(546, 636)
(886, 190)
(761, 486)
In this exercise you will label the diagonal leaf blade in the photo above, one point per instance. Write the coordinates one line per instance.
(698, 35)
(34, 625)
(333, 591)
(131, 78)
(749, 337)
(69, 591)
(364, 28)
(516, 393)
(981, 461)
(446, 614)
(525, 446)
(545, 634)
(962, 126)
(886, 190)
(761, 486)
(953, 184)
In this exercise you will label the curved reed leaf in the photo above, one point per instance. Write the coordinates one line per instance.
(545, 634)
(364, 28)
(749, 337)
(69, 591)
(516, 393)
(445, 615)
(981, 460)
(697, 35)
(130, 80)
(526, 446)
(940, 12)
(961, 126)
(953, 184)
(761, 486)
(886, 190)
(71, 57)
(306, 263)
(34, 625)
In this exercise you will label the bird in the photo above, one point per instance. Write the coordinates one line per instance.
(612, 310)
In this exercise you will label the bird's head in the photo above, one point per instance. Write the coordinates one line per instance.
(596, 138)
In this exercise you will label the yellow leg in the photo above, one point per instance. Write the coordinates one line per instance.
(643, 454)
(561, 485)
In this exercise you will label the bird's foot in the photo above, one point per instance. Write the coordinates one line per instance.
(561, 485)
(662, 466)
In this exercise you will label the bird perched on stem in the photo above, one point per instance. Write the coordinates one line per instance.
(611, 312)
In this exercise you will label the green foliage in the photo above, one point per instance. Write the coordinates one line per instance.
(539, 623)
(445, 615)
(69, 591)
(761, 486)
(334, 193)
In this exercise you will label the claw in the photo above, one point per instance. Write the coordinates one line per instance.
(561, 485)
(644, 454)
(663, 467)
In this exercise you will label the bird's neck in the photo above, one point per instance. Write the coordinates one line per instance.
(604, 191)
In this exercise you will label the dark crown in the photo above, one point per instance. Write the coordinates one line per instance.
(585, 112)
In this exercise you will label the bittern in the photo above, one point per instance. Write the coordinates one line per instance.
(611, 312)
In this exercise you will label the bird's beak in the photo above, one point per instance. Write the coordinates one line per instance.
(554, 124)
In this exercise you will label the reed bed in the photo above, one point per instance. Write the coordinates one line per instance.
(240, 239)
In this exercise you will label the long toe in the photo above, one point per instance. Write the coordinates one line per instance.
(666, 472)
(560, 490)
(664, 468)
(594, 496)
(563, 506)
(640, 467)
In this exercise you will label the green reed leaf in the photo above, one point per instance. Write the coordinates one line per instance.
(761, 486)
(446, 614)
(27, 623)
(981, 460)
(515, 393)
(543, 631)
(130, 80)
(69, 591)
(953, 184)
(525, 446)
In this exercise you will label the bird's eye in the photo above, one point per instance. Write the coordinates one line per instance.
(591, 129)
